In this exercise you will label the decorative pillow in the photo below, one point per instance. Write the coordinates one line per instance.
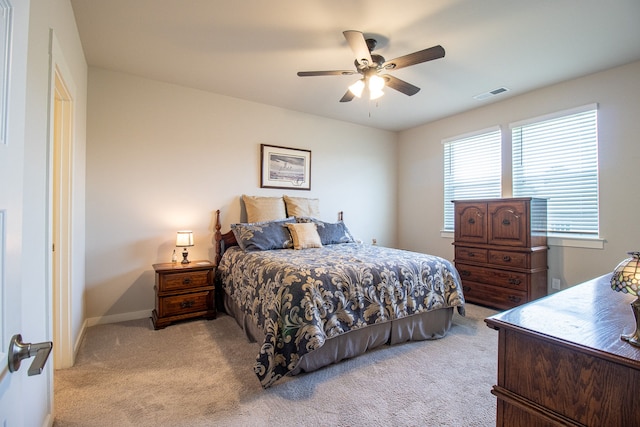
(305, 235)
(261, 209)
(301, 206)
(263, 236)
(330, 233)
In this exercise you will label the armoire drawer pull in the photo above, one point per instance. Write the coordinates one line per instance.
(506, 222)
(472, 221)
(506, 258)
(513, 281)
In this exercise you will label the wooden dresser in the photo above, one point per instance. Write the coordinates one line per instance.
(501, 250)
(561, 361)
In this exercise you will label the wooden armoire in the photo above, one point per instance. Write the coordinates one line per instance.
(501, 250)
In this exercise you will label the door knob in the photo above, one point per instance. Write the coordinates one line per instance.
(19, 350)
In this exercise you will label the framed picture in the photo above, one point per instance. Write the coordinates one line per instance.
(283, 167)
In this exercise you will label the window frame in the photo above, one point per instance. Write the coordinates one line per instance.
(551, 117)
(448, 221)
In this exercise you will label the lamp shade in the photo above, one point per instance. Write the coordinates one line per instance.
(184, 238)
(357, 88)
(626, 276)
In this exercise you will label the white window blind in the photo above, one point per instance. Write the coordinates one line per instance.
(472, 169)
(557, 158)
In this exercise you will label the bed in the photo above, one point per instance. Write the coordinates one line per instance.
(315, 301)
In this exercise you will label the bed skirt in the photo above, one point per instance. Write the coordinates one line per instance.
(423, 326)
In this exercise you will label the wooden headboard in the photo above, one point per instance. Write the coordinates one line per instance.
(228, 239)
(223, 241)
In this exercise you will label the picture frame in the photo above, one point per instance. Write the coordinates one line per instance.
(284, 167)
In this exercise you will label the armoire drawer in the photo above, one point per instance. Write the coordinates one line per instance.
(471, 254)
(493, 276)
(509, 259)
(494, 296)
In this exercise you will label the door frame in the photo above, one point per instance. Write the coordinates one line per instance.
(59, 204)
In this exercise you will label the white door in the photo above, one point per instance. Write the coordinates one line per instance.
(24, 400)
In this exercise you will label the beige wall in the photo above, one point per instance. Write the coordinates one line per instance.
(617, 91)
(161, 158)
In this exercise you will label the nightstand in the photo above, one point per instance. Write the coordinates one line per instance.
(183, 291)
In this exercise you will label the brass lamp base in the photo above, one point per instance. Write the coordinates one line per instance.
(634, 338)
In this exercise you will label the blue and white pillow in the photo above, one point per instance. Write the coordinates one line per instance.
(330, 233)
(263, 236)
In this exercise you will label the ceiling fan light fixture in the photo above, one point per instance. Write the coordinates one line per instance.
(375, 94)
(376, 83)
(357, 88)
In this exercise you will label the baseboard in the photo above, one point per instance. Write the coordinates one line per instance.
(115, 318)
(79, 339)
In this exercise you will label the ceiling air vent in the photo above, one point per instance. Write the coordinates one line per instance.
(491, 93)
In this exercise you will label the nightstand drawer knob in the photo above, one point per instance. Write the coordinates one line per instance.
(187, 304)
(186, 281)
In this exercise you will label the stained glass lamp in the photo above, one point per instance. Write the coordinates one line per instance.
(626, 279)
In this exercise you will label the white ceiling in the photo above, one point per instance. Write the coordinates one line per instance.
(252, 49)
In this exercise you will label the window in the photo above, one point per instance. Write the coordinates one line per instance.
(556, 157)
(472, 169)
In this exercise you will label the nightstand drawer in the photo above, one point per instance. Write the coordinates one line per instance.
(186, 303)
(178, 281)
(493, 276)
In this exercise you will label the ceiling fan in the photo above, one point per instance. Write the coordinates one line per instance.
(371, 66)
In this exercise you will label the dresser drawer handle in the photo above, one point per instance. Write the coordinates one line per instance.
(506, 258)
(514, 299)
(466, 288)
(465, 273)
(513, 281)
(471, 254)
(506, 222)
(186, 281)
(187, 304)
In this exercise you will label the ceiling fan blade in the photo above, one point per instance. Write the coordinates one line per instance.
(359, 47)
(326, 73)
(400, 85)
(348, 96)
(414, 58)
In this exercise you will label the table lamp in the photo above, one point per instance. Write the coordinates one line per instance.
(184, 240)
(626, 279)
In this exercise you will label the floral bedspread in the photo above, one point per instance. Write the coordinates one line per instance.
(299, 298)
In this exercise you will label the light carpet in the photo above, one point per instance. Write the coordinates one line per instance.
(200, 373)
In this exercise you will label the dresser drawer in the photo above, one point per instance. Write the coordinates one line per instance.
(471, 254)
(494, 296)
(178, 281)
(493, 276)
(509, 259)
(186, 303)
